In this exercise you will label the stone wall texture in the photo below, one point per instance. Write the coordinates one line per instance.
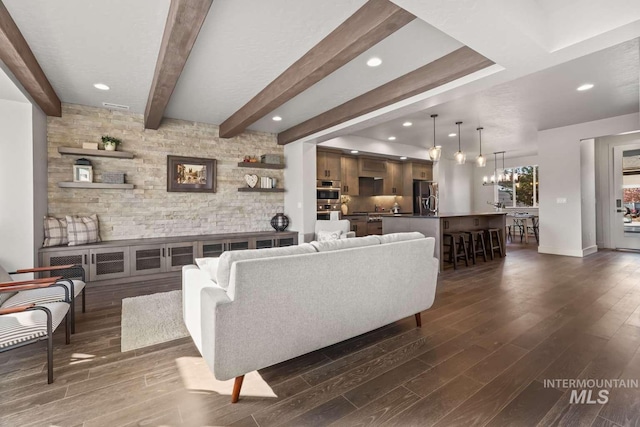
(149, 210)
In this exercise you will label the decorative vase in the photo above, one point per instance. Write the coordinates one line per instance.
(344, 208)
(110, 147)
(280, 221)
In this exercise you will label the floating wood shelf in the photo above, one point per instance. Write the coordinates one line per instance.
(261, 190)
(260, 165)
(95, 153)
(94, 185)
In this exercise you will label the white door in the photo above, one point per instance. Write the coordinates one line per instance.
(625, 224)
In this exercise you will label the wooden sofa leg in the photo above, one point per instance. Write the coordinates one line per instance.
(237, 385)
(418, 320)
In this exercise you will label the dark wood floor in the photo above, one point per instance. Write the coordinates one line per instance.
(496, 331)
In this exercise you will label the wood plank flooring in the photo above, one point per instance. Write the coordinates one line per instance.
(497, 330)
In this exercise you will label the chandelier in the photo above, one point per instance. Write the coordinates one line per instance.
(500, 176)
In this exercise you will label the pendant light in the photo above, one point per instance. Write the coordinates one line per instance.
(481, 161)
(459, 156)
(435, 151)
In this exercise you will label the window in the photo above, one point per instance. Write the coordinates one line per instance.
(520, 189)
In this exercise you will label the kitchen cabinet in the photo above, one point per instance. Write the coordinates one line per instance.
(372, 168)
(393, 183)
(359, 225)
(328, 165)
(349, 175)
(422, 171)
(374, 227)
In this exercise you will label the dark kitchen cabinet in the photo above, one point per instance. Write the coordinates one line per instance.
(349, 175)
(374, 227)
(393, 184)
(328, 165)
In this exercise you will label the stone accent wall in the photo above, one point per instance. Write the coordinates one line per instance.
(149, 210)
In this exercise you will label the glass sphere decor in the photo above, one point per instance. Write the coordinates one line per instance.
(280, 221)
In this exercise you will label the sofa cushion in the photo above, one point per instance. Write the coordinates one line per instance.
(228, 258)
(209, 265)
(399, 237)
(327, 236)
(355, 242)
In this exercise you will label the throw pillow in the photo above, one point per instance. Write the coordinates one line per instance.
(327, 236)
(82, 230)
(55, 231)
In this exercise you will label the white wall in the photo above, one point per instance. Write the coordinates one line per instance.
(300, 197)
(39, 134)
(588, 195)
(604, 184)
(454, 186)
(560, 180)
(17, 216)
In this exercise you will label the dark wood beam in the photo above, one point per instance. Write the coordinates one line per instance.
(370, 24)
(180, 32)
(455, 65)
(18, 57)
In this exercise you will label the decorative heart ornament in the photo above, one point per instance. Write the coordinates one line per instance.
(252, 180)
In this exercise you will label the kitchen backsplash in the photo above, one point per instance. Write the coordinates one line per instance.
(368, 204)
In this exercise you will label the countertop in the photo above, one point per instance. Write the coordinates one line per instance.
(378, 214)
(451, 215)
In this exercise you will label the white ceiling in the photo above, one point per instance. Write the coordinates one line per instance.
(512, 113)
(245, 44)
(82, 42)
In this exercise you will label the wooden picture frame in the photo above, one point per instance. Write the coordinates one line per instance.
(82, 173)
(191, 174)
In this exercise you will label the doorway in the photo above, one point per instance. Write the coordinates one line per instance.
(625, 222)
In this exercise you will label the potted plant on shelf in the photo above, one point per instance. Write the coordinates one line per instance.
(111, 143)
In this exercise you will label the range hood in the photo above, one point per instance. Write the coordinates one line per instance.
(371, 186)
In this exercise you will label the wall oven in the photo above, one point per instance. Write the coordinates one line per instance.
(328, 192)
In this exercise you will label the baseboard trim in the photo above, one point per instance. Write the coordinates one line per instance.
(589, 250)
(560, 251)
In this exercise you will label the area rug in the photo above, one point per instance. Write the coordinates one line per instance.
(152, 319)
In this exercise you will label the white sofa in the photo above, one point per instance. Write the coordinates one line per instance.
(251, 309)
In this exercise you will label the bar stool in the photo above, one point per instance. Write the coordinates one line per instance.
(457, 248)
(476, 245)
(495, 246)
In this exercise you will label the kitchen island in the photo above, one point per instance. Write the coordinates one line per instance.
(435, 226)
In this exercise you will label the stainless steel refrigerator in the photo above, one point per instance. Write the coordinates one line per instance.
(425, 198)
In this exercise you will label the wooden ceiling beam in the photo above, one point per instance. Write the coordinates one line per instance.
(184, 21)
(16, 54)
(453, 66)
(370, 24)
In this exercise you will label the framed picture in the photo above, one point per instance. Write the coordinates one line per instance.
(191, 174)
(82, 173)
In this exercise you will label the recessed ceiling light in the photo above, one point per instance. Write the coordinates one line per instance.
(585, 86)
(374, 62)
(392, 138)
(276, 118)
(403, 158)
(407, 124)
(101, 86)
(354, 151)
(451, 135)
